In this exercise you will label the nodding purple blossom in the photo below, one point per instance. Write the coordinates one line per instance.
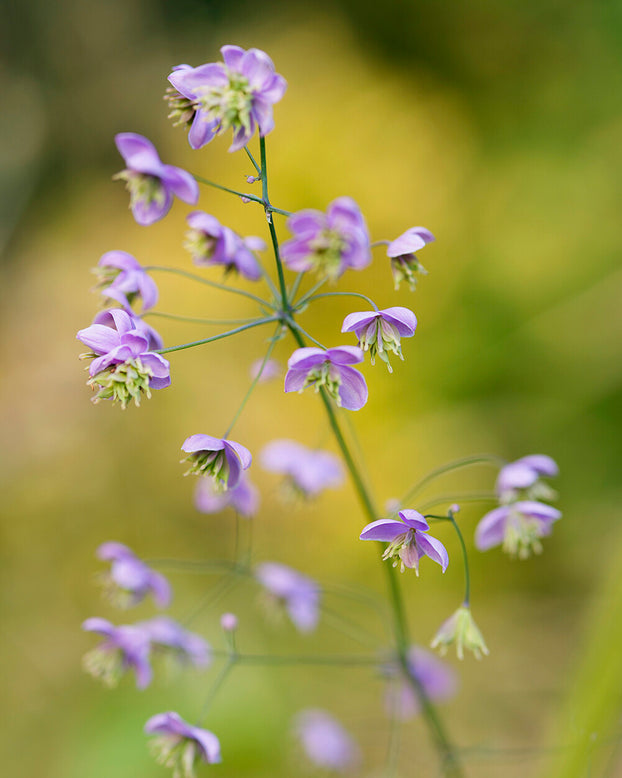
(150, 182)
(309, 471)
(408, 540)
(461, 629)
(123, 648)
(243, 497)
(122, 279)
(329, 369)
(522, 479)
(238, 93)
(380, 331)
(123, 367)
(437, 679)
(129, 579)
(295, 592)
(108, 319)
(518, 526)
(404, 261)
(211, 243)
(170, 637)
(222, 460)
(329, 243)
(181, 746)
(325, 741)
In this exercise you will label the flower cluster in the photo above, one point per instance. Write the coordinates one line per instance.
(239, 94)
(521, 520)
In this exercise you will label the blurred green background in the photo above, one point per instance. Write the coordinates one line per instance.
(496, 125)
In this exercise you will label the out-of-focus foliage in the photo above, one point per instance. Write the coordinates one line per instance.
(497, 126)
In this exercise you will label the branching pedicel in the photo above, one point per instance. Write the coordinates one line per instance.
(127, 363)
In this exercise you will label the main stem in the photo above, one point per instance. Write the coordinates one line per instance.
(449, 759)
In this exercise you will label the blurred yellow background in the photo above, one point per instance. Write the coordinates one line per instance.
(497, 126)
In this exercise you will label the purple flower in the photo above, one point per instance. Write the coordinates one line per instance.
(437, 678)
(519, 526)
(271, 369)
(522, 477)
(124, 648)
(408, 540)
(237, 94)
(243, 497)
(330, 369)
(165, 633)
(298, 594)
(124, 367)
(151, 183)
(222, 460)
(328, 243)
(210, 243)
(461, 629)
(309, 471)
(108, 319)
(180, 745)
(404, 261)
(380, 331)
(122, 278)
(325, 742)
(130, 580)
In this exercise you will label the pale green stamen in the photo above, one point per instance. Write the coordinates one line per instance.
(123, 383)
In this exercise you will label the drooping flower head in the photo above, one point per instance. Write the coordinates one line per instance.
(109, 318)
(223, 460)
(330, 369)
(238, 93)
(329, 243)
(123, 648)
(522, 478)
(408, 540)
(309, 471)
(380, 331)
(298, 594)
(123, 367)
(461, 629)
(404, 261)
(150, 182)
(130, 580)
(181, 746)
(211, 243)
(243, 497)
(437, 679)
(326, 743)
(168, 636)
(518, 526)
(122, 278)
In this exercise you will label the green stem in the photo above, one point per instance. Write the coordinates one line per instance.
(254, 382)
(213, 284)
(458, 497)
(340, 294)
(465, 557)
(275, 243)
(252, 159)
(196, 319)
(247, 195)
(449, 759)
(310, 293)
(220, 336)
(295, 286)
(477, 459)
(292, 323)
(232, 660)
